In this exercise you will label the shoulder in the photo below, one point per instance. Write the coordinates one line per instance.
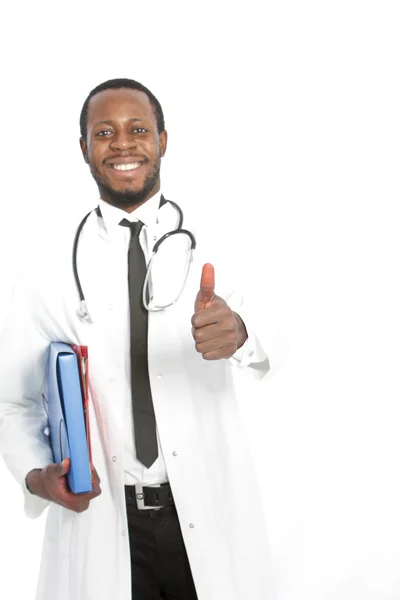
(48, 256)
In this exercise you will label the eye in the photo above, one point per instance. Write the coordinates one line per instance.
(140, 130)
(103, 132)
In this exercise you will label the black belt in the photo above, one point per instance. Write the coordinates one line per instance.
(146, 497)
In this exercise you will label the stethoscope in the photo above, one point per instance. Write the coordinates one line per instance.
(83, 312)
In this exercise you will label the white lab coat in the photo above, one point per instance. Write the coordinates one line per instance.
(86, 556)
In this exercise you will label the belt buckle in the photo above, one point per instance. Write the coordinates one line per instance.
(140, 497)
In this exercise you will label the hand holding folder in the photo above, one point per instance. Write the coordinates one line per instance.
(51, 483)
(72, 480)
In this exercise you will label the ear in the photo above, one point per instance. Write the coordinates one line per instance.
(84, 149)
(163, 142)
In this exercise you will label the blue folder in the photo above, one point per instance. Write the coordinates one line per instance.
(66, 416)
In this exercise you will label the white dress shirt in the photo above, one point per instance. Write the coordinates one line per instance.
(250, 352)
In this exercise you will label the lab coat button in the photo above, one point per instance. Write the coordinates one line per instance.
(251, 353)
(112, 380)
(174, 453)
(122, 533)
(159, 376)
(114, 458)
(191, 525)
(46, 431)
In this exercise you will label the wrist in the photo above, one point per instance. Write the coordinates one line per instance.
(242, 331)
(34, 484)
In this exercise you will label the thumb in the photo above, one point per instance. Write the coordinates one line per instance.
(206, 295)
(63, 467)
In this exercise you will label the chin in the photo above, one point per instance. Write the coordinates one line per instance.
(126, 191)
(127, 187)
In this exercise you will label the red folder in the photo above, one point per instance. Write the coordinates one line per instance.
(83, 362)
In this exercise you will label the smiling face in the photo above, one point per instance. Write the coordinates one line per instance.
(123, 147)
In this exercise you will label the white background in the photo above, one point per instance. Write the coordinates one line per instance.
(284, 131)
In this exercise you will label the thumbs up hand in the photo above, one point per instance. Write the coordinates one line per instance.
(217, 330)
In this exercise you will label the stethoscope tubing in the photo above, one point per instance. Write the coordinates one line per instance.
(83, 312)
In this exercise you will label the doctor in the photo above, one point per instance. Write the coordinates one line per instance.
(174, 513)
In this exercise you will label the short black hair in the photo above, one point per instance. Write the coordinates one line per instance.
(115, 84)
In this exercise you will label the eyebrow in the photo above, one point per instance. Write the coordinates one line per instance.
(110, 121)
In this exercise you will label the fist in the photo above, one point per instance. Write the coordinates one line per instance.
(217, 331)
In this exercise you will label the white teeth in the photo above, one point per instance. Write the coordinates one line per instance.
(129, 167)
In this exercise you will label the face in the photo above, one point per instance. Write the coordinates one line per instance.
(123, 147)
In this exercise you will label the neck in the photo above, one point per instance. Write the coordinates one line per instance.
(127, 201)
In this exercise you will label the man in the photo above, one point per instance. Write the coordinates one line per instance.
(176, 515)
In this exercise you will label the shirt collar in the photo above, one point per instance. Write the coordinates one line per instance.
(147, 213)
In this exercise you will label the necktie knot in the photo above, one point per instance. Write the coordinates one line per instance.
(134, 226)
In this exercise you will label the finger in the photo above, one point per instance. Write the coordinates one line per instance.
(213, 315)
(72, 501)
(227, 341)
(61, 494)
(225, 352)
(208, 332)
(205, 295)
(80, 506)
(55, 471)
(95, 479)
(96, 491)
(94, 475)
(207, 282)
(213, 331)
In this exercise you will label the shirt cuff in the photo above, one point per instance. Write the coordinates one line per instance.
(252, 354)
(33, 505)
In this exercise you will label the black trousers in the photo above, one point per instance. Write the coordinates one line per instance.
(160, 566)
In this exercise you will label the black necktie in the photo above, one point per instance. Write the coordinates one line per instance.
(143, 411)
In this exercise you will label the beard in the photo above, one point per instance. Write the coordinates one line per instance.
(128, 197)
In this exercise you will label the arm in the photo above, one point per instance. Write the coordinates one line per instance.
(24, 444)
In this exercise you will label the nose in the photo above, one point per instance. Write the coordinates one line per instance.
(122, 140)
